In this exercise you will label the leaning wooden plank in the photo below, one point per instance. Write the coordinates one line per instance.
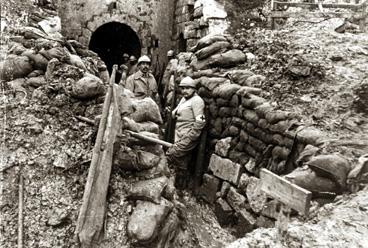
(95, 160)
(325, 5)
(288, 193)
(95, 213)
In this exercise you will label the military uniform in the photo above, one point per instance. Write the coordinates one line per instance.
(142, 86)
(190, 121)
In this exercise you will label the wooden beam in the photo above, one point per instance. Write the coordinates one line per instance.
(286, 192)
(149, 139)
(324, 5)
(283, 14)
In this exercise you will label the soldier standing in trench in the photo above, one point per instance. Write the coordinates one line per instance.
(190, 120)
(142, 83)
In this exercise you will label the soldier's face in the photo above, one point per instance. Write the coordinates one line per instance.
(144, 67)
(187, 91)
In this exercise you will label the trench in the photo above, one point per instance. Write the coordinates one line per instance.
(111, 40)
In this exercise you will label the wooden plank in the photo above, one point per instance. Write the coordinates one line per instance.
(288, 193)
(149, 139)
(92, 212)
(284, 14)
(324, 5)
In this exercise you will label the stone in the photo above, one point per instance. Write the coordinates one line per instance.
(246, 223)
(223, 212)
(146, 219)
(310, 135)
(255, 80)
(236, 200)
(209, 188)
(57, 217)
(256, 197)
(264, 222)
(243, 136)
(222, 147)
(224, 189)
(243, 183)
(251, 166)
(271, 209)
(299, 71)
(225, 169)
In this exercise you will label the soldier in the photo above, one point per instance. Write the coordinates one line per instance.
(190, 120)
(168, 78)
(132, 65)
(142, 83)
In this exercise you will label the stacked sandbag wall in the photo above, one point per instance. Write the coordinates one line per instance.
(246, 133)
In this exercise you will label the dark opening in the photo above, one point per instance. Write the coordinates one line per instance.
(111, 40)
(182, 43)
(191, 12)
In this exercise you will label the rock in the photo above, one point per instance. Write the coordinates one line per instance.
(236, 200)
(222, 147)
(225, 169)
(223, 212)
(271, 209)
(57, 217)
(61, 161)
(246, 222)
(243, 183)
(146, 219)
(255, 80)
(14, 67)
(361, 99)
(310, 135)
(297, 71)
(148, 190)
(256, 198)
(36, 81)
(334, 167)
(264, 222)
(251, 166)
(224, 189)
(88, 87)
(209, 188)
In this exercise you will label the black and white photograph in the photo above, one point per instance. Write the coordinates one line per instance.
(184, 123)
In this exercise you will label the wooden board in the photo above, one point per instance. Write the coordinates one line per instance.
(286, 192)
(324, 5)
(305, 14)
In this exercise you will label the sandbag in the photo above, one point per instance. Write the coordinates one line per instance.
(77, 61)
(252, 101)
(212, 82)
(147, 159)
(31, 33)
(36, 81)
(208, 40)
(216, 47)
(88, 87)
(148, 190)
(226, 91)
(244, 90)
(276, 116)
(56, 52)
(255, 80)
(36, 73)
(309, 180)
(332, 166)
(147, 126)
(240, 76)
(146, 110)
(198, 65)
(280, 152)
(214, 72)
(228, 59)
(17, 49)
(15, 67)
(146, 219)
(39, 61)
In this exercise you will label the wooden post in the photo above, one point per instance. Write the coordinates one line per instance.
(20, 210)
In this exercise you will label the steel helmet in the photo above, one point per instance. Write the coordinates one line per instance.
(132, 58)
(144, 58)
(125, 55)
(187, 82)
(170, 53)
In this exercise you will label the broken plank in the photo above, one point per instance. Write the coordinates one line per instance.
(284, 14)
(286, 192)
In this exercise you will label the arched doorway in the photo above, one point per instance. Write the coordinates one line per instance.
(111, 40)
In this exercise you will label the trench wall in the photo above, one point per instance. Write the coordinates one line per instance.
(246, 133)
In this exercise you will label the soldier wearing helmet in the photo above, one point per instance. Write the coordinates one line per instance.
(167, 83)
(142, 83)
(190, 120)
(132, 65)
